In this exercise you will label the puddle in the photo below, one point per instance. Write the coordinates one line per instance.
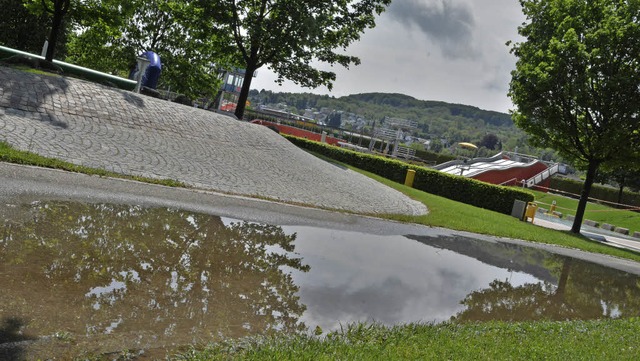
(103, 279)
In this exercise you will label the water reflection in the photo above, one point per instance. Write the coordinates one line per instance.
(570, 288)
(102, 278)
(152, 277)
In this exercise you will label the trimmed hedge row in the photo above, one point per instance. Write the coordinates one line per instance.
(597, 191)
(461, 189)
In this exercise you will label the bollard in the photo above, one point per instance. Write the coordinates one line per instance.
(408, 181)
(143, 63)
(530, 212)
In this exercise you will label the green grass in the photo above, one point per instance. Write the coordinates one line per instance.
(596, 212)
(12, 155)
(463, 217)
(574, 340)
(570, 340)
(442, 212)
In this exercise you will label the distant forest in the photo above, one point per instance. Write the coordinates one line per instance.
(436, 120)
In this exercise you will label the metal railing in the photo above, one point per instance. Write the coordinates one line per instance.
(542, 176)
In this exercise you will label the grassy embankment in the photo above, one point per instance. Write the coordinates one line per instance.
(609, 339)
(576, 340)
(11, 155)
(596, 212)
(459, 216)
(442, 212)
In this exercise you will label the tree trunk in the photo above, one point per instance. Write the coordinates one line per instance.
(562, 281)
(584, 196)
(60, 8)
(53, 36)
(244, 92)
(620, 192)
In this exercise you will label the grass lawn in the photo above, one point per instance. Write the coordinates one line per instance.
(575, 340)
(569, 340)
(459, 216)
(442, 212)
(594, 211)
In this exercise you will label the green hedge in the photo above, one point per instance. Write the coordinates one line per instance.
(461, 189)
(597, 191)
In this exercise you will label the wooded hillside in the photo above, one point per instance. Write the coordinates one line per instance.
(436, 120)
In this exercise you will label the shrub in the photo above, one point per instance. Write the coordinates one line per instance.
(461, 189)
(597, 191)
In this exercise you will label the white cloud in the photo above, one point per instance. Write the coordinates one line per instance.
(448, 50)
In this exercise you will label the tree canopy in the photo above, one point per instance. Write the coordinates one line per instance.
(181, 32)
(23, 29)
(576, 86)
(288, 35)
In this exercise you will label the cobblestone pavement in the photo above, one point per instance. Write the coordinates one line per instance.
(97, 126)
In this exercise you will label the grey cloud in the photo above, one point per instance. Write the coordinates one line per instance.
(448, 23)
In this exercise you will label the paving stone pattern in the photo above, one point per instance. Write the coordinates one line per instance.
(97, 126)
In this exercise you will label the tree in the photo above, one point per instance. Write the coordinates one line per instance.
(576, 86)
(179, 31)
(287, 35)
(334, 120)
(20, 28)
(165, 275)
(623, 176)
(58, 12)
(489, 141)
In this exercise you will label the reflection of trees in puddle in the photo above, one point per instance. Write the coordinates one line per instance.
(175, 276)
(570, 288)
(583, 291)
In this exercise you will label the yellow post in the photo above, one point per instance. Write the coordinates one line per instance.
(530, 212)
(411, 175)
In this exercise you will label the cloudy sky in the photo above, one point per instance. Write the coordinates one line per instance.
(447, 50)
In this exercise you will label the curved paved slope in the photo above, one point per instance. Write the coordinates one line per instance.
(101, 127)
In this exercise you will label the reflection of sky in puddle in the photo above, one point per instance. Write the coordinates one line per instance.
(108, 292)
(172, 276)
(389, 279)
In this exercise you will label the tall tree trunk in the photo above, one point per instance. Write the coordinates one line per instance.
(244, 92)
(60, 8)
(562, 281)
(620, 192)
(53, 36)
(584, 196)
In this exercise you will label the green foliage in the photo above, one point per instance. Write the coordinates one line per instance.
(577, 82)
(436, 120)
(573, 187)
(288, 35)
(21, 29)
(461, 189)
(570, 340)
(179, 31)
(577, 79)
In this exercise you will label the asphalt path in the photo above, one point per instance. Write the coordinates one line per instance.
(100, 127)
(24, 184)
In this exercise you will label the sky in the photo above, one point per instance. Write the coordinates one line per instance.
(445, 50)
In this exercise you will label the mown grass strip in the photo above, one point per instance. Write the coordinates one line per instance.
(12, 155)
(442, 212)
(463, 217)
(569, 340)
(596, 212)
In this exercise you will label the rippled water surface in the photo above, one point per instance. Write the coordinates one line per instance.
(100, 279)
